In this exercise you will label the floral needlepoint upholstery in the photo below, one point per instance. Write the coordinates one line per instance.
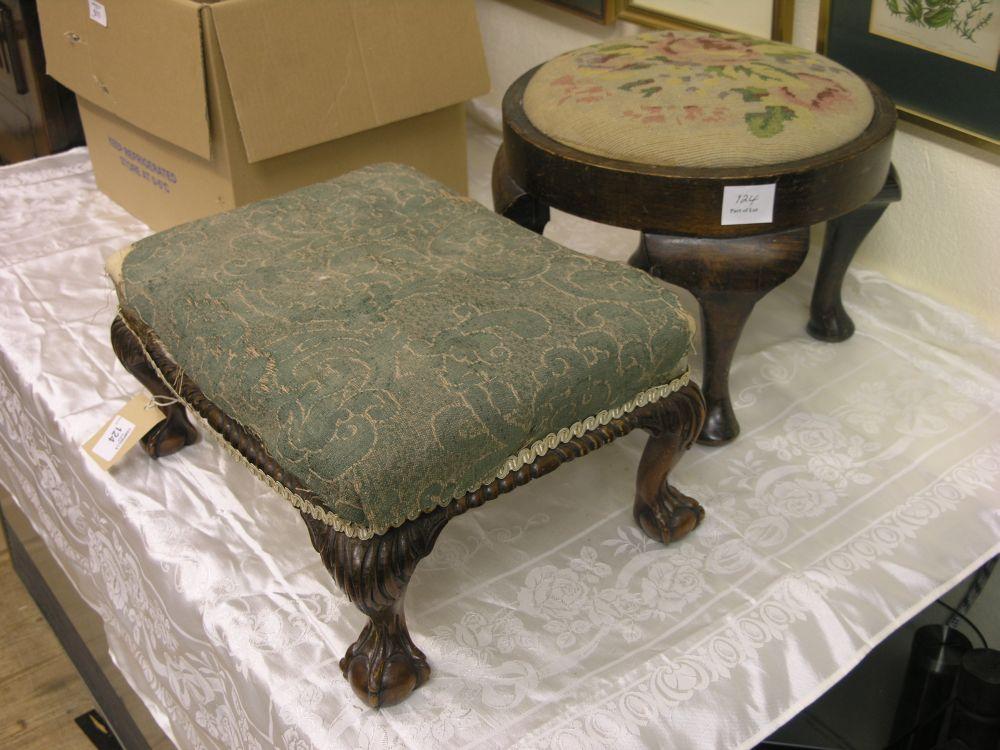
(394, 345)
(698, 99)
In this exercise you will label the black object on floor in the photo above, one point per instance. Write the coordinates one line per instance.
(97, 730)
(975, 718)
(858, 712)
(935, 660)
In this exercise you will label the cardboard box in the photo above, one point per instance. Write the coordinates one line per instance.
(191, 108)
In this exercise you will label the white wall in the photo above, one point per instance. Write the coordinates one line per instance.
(943, 239)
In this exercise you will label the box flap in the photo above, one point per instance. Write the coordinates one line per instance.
(143, 63)
(304, 72)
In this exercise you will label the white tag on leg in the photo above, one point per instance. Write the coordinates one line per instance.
(126, 428)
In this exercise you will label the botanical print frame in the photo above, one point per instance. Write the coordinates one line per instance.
(936, 79)
(966, 30)
(602, 11)
(767, 18)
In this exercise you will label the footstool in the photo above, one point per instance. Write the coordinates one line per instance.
(387, 355)
(722, 149)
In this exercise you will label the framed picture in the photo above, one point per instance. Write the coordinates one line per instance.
(937, 59)
(602, 11)
(771, 19)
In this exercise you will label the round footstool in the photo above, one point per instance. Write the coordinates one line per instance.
(722, 149)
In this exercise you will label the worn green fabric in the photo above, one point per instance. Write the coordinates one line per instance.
(391, 343)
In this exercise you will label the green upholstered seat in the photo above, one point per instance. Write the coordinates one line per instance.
(698, 99)
(394, 345)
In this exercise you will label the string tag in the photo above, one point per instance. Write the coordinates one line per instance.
(110, 443)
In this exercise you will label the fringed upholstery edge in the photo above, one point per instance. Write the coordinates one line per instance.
(514, 462)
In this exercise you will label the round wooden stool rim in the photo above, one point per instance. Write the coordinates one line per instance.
(882, 125)
(688, 200)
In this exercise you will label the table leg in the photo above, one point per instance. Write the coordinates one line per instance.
(512, 202)
(828, 321)
(727, 277)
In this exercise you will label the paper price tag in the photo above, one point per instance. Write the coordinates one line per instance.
(110, 443)
(748, 204)
(113, 438)
(98, 14)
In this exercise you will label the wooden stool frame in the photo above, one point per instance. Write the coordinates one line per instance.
(728, 268)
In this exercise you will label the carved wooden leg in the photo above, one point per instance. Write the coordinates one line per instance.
(383, 665)
(673, 423)
(828, 321)
(512, 202)
(727, 277)
(175, 432)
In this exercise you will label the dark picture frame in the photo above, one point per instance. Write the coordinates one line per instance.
(931, 89)
(602, 11)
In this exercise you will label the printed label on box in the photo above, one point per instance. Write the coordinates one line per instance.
(140, 166)
(110, 443)
(748, 204)
(97, 12)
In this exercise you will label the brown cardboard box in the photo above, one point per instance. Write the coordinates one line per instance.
(192, 108)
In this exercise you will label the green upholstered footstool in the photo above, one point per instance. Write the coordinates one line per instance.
(387, 355)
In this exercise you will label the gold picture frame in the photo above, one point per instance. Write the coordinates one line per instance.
(909, 107)
(782, 16)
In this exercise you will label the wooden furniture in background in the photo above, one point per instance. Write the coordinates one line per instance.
(38, 116)
(728, 268)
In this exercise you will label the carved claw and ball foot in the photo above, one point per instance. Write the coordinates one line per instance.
(828, 320)
(383, 665)
(174, 432)
(727, 277)
(662, 511)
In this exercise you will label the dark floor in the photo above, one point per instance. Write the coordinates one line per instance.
(40, 691)
(857, 713)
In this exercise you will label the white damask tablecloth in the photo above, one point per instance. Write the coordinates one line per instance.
(864, 484)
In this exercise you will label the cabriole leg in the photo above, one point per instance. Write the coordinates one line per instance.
(383, 665)
(727, 277)
(663, 512)
(828, 321)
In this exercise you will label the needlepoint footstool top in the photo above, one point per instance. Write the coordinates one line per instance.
(698, 99)
(394, 345)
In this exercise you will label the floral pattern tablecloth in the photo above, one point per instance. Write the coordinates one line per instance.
(866, 482)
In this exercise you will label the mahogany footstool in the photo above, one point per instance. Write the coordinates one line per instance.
(387, 355)
(722, 149)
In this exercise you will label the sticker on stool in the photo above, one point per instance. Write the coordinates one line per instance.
(748, 204)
